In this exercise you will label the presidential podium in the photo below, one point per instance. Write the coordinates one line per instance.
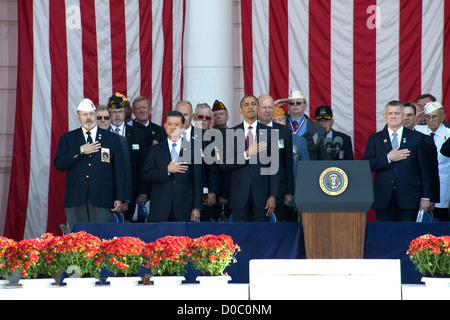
(333, 198)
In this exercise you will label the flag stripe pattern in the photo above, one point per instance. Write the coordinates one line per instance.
(75, 49)
(352, 55)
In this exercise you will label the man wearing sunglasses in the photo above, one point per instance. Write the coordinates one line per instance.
(300, 124)
(104, 122)
(203, 116)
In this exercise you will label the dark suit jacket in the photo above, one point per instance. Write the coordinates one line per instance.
(150, 131)
(103, 181)
(137, 148)
(286, 171)
(180, 192)
(445, 149)
(346, 149)
(410, 177)
(434, 168)
(246, 177)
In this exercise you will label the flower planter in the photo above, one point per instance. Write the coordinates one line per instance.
(77, 283)
(434, 282)
(3, 283)
(167, 281)
(213, 280)
(36, 283)
(122, 282)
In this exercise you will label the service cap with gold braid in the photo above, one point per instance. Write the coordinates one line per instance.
(323, 112)
(217, 106)
(117, 101)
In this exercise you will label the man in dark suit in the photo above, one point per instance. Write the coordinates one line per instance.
(137, 148)
(398, 156)
(324, 117)
(254, 181)
(300, 124)
(409, 121)
(286, 167)
(175, 177)
(203, 120)
(142, 110)
(94, 165)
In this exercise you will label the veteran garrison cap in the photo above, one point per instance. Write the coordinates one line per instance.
(117, 101)
(217, 106)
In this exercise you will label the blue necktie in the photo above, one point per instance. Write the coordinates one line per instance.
(173, 152)
(394, 140)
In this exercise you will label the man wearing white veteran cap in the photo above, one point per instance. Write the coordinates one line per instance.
(93, 160)
(300, 124)
(434, 116)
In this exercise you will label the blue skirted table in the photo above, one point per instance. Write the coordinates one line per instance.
(383, 240)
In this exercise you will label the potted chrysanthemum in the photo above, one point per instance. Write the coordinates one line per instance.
(124, 258)
(8, 248)
(167, 258)
(35, 260)
(431, 257)
(212, 254)
(79, 256)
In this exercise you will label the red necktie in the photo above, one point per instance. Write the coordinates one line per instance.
(432, 135)
(294, 123)
(249, 136)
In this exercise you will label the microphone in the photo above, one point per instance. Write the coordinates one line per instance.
(338, 142)
(328, 143)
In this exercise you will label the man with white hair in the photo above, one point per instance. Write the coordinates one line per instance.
(93, 161)
(300, 124)
(434, 116)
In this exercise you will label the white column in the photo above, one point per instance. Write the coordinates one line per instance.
(208, 53)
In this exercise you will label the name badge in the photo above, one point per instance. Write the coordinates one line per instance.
(106, 156)
(135, 146)
(281, 143)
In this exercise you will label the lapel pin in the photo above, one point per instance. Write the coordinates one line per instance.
(404, 140)
(385, 140)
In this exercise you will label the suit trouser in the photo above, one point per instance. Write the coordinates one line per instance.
(87, 212)
(250, 213)
(393, 212)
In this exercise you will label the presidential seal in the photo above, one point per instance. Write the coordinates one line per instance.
(333, 181)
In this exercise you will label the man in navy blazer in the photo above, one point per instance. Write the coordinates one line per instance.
(253, 189)
(175, 176)
(94, 164)
(398, 156)
(286, 165)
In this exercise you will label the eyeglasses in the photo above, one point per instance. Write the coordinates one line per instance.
(103, 117)
(432, 118)
(299, 103)
(201, 117)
